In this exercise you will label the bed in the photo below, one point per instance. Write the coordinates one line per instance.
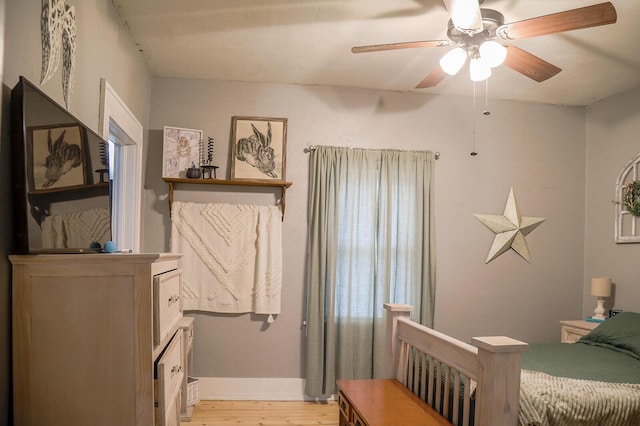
(502, 381)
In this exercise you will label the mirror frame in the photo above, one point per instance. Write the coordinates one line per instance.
(30, 145)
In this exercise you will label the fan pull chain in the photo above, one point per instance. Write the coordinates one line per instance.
(473, 138)
(486, 98)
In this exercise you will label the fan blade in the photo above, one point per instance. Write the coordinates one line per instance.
(404, 45)
(529, 65)
(432, 80)
(465, 15)
(584, 17)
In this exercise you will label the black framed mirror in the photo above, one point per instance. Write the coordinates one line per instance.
(61, 184)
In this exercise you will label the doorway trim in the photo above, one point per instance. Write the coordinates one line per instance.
(120, 126)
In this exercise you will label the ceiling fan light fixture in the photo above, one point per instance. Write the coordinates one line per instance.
(465, 14)
(479, 70)
(492, 53)
(453, 60)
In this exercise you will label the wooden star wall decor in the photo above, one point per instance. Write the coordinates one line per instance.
(510, 229)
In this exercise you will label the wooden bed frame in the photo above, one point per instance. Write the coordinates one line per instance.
(486, 374)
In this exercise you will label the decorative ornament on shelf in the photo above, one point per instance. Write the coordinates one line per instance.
(193, 172)
(206, 159)
(104, 162)
(631, 200)
(201, 153)
(110, 247)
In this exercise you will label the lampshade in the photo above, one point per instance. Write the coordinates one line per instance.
(453, 60)
(479, 70)
(493, 53)
(601, 287)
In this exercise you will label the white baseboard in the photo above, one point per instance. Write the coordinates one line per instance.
(251, 389)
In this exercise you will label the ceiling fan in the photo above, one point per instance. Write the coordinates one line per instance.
(481, 36)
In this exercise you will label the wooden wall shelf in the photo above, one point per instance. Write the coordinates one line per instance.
(244, 182)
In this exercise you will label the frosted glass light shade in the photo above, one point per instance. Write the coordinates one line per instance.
(601, 287)
(465, 17)
(493, 53)
(453, 60)
(479, 70)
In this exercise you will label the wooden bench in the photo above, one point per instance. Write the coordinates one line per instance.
(383, 403)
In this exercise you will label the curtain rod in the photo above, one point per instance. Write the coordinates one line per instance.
(313, 148)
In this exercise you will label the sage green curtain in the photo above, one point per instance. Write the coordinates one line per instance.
(371, 241)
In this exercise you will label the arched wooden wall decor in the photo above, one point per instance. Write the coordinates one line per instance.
(627, 226)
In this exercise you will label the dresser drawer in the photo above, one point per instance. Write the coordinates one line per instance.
(571, 334)
(169, 376)
(189, 384)
(186, 325)
(357, 420)
(573, 330)
(167, 305)
(345, 406)
(171, 413)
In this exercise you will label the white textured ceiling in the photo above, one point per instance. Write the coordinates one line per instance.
(308, 42)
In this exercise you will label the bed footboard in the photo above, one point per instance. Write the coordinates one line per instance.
(468, 384)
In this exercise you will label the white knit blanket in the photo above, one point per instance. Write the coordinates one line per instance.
(548, 400)
(76, 229)
(232, 256)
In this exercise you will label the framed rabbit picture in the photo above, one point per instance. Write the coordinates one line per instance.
(55, 158)
(258, 150)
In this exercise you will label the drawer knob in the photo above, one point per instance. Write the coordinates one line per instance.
(173, 299)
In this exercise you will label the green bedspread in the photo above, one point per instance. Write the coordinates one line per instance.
(581, 361)
(595, 381)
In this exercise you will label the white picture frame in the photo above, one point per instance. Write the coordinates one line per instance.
(180, 151)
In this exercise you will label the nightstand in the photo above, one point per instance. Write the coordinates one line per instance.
(574, 329)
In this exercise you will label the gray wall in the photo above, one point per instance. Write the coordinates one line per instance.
(538, 150)
(613, 127)
(104, 50)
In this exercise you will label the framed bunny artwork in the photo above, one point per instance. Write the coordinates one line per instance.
(56, 158)
(258, 150)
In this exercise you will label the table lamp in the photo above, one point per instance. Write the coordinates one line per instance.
(601, 289)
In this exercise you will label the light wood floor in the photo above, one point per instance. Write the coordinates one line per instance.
(264, 413)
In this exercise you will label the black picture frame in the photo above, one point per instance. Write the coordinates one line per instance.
(79, 192)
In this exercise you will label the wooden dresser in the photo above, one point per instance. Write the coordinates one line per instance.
(96, 340)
